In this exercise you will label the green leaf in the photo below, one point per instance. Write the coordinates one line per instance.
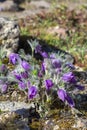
(34, 72)
(0, 62)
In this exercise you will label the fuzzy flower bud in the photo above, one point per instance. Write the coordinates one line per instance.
(32, 91)
(25, 65)
(22, 85)
(65, 97)
(4, 88)
(13, 58)
(49, 84)
(69, 77)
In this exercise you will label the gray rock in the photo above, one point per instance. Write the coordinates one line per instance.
(9, 5)
(14, 106)
(13, 121)
(9, 35)
(40, 4)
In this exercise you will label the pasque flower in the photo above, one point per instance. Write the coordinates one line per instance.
(62, 94)
(71, 66)
(79, 87)
(43, 67)
(24, 74)
(4, 88)
(38, 49)
(52, 56)
(17, 76)
(13, 58)
(3, 69)
(40, 74)
(65, 97)
(49, 84)
(44, 54)
(32, 91)
(56, 63)
(42, 70)
(22, 85)
(69, 77)
(25, 65)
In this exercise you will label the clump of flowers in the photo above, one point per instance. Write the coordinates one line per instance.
(40, 79)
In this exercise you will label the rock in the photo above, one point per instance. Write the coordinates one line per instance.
(13, 121)
(2, 0)
(14, 95)
(14, 106)
(9, 35)
(80, 123)
(19, 1)
(57, 31)
(40, 4)
(9, 6)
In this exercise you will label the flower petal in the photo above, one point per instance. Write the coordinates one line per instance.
(25, 65)
(61, 94)
(32, 91)
(70, 101)
(49, 84)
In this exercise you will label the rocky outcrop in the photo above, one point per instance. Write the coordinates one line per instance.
(9, 5)
(9, 35)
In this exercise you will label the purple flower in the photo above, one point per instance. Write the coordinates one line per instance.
(3, 68)
(4, 88)
(65, 97)
(79, 87)
(44, 54)
(56, 63)
(52, 56)
(70, 101)
(42, 71)
(32, 91)
(38, 49)
(13, 58)
(49, 84)
(58, 70)
(40, 74)
(28, 84)
(25, 65)
(22, 85)
(24, 75)
(69, 77)
(43, 67)
(17, 76)
(61, 94)
(71, 66)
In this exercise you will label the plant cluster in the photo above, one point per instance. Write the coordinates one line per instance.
(40, 80)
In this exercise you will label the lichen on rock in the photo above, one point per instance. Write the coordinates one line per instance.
(9, 35)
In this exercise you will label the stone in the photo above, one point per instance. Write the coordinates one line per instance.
(9, 35)
(2, 0)
(40, 4)
(13, 121)
(9, 5)
(14, 106)
(57, 31)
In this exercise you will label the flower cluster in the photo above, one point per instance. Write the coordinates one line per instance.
(40, 79)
